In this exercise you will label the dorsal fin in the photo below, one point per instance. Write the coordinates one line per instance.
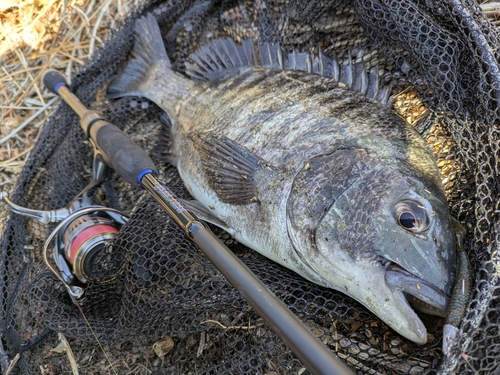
(373, 88)
(347, 72)
(220, 58)
(329, 66)
(223, 58)
(271, 56)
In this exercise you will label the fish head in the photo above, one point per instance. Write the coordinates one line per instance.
(381, 237)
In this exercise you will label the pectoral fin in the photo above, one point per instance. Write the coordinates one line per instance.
(231, 170)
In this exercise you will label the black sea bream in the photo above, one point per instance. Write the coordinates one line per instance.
(309, 173)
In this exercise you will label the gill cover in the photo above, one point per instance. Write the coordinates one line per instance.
(315, 188)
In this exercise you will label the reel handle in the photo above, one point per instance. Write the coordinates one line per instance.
(118, 150)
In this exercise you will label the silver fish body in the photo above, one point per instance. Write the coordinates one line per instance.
(313, 175)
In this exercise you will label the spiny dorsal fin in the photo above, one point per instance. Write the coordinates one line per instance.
(347, 72)
(271, 56)
(229, 168)
(384, 95)
(222, 58)
(373, 89)
(328, 66)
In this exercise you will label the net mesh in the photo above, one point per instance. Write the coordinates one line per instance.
(441, 58)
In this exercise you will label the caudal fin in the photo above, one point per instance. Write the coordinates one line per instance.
(148, 53)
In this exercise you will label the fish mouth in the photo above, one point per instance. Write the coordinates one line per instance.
(417, 293)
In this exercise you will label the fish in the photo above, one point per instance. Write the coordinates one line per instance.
(308, 171)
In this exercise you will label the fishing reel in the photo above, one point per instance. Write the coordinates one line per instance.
(82, 249)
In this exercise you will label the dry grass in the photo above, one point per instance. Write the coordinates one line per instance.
(36, 35)
(492, 10)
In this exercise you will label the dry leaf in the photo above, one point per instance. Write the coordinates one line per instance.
(355, 326)
(163, 346)
(60, 348)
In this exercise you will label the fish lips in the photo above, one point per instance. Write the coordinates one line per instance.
(418, 292)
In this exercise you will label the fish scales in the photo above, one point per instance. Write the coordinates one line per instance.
(311, 174)
(273, 112)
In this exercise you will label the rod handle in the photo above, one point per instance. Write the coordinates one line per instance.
(118, 150)
(121, 153)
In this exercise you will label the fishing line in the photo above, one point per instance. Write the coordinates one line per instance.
(94, 334)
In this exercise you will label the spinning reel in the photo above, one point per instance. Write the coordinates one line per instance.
(82, 238)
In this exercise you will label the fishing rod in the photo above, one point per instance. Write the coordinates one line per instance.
(119, 152)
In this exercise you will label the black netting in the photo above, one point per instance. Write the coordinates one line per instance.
(441, 57)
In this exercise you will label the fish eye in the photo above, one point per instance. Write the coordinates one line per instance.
(412, 216)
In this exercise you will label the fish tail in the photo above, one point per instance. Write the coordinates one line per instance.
(148, 57)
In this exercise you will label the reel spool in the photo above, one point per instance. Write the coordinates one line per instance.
(82, 240)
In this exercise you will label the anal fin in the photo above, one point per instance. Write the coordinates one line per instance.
(230, 169)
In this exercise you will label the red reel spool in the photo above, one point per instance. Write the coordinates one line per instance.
(84, 238)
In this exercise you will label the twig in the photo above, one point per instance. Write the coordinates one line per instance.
(96, 26)
(4, 92)
(22, 58)
(4, 358)
(215, 322)
(6, 162)
(41, 14)
(19, 107)
(46, 65)
(202, 344)
(138, 368)
(490, 7)
(13, 364)
(25, 123)
(12, 79)
(69, 353)
(259, 323)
